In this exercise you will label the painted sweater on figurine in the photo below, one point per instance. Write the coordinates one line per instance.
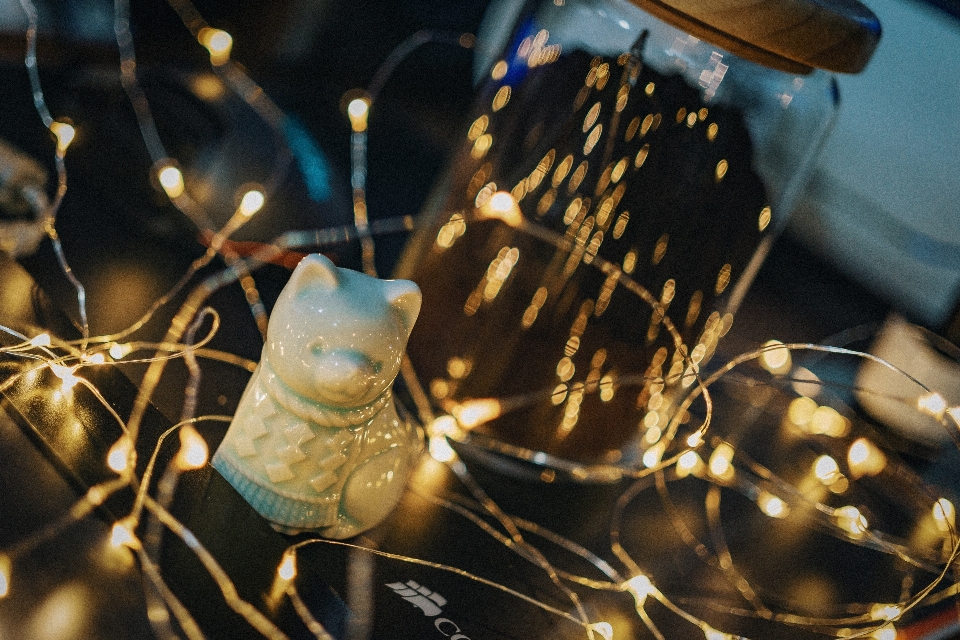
(316, 443)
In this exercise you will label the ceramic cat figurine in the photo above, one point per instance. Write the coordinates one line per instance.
(316, 443)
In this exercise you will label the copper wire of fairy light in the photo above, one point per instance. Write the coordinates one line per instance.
(244, 87)
(870, 538)
(64, 134)
(170, 348)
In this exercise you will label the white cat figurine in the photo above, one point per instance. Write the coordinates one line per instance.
(316, 443)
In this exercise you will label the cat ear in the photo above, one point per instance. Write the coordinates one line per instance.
(315, 269)
(404, 296)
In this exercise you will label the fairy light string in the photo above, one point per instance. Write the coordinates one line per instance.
(69, 358)
(756, 354)
(64, 134)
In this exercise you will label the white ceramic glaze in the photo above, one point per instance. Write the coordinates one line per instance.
(316, 443)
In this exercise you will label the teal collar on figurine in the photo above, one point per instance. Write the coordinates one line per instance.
(312, 410)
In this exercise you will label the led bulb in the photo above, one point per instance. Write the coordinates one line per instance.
(476, 412)
(440, 449)
(118, 351)
(865, 459)
(826, 469)
(653, 455)
(640, 587)
(118, 458)
(502, 206)
(721, 462)
(604, 629)
(357, 111)
(954, 413)
(288, 567)
(688, 463)
(851, 520)
(887, 632)
(933, 404)
(775, 357)
(193, 452)
(64, 133)
(886, 612)
(5, 570)
(171, 179)
(251, 202)
(944, 515)
(122, 535)
(66, 375)
(40, 340)
(218, 42)
(772, 505)
(443, 426)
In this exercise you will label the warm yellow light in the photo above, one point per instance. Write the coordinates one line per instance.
(457, 367)
(218, 42)
(721, 462)
(95, 358)
(772, 505)
(827, 421)
(40, 340)
(119, 456)
(118, 351)
(5, 570)
(193, 452)
(851, 520)
(932, 403)
(64, 133)
(944, 515)
(444, 426)
(440, 449)
(800, 411)
(476, 412)
(886, 633)
(826, 469)
(357, 111)
(122, 535)
(954, 413)
(687, 463)
(712, 634)
(721, 170)
(775, 358)
(288, 567)
(251, 202)
(641, 587)
(653, 455)
(66, 375)
(764, 219)
(886, 612)
(695, 439)
(603, 628)
(503, 206)
(172, 181)
(865, 459)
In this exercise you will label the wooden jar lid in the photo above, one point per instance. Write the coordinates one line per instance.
(795, 36)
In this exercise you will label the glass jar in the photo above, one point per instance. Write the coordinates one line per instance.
(625, 171)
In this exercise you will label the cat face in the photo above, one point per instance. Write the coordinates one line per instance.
(337, 336)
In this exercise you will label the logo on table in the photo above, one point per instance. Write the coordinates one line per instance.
(431, 604)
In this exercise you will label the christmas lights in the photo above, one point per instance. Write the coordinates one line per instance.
(674, 452)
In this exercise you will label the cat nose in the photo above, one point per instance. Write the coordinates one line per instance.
(344, 375)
